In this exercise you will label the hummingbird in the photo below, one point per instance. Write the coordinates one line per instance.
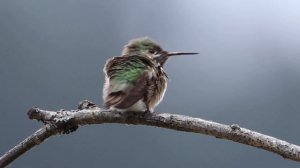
(136, 80)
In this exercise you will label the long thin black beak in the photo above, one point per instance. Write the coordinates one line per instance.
(181, 53)
(163, 58)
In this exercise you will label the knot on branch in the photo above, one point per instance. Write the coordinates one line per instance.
(235, 127)
(34, 113)
(66, 127)
(86, 104)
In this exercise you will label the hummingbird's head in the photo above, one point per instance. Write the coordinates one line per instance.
(142, 46)
(146, 47)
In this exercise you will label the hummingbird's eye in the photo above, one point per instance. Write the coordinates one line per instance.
(151, 51)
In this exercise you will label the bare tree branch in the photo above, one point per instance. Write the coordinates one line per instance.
(36, 138)
(68, 121)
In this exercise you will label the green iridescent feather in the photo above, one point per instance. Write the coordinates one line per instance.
(127, 69)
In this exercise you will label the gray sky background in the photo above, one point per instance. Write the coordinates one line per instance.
(248, 73)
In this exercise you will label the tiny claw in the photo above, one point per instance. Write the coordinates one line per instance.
(147, 111)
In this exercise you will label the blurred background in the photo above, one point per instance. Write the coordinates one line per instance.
(52, 54)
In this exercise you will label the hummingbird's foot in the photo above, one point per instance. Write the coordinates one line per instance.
(147, 111)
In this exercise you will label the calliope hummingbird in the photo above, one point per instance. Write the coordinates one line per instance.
(136, 80)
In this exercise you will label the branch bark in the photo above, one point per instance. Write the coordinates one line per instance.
(58, 122)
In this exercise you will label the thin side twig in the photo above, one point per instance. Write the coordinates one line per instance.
(36, 138)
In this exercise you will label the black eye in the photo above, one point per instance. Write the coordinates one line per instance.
(151, 51)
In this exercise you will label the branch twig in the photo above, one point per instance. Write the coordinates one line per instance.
(36, 138)
(68, 121)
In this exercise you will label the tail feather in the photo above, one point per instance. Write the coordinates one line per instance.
(114, 98)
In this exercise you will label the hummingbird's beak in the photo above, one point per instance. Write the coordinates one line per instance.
(163, 58)
(181, 53)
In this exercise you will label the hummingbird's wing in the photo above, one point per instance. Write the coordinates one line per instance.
(128, 79)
